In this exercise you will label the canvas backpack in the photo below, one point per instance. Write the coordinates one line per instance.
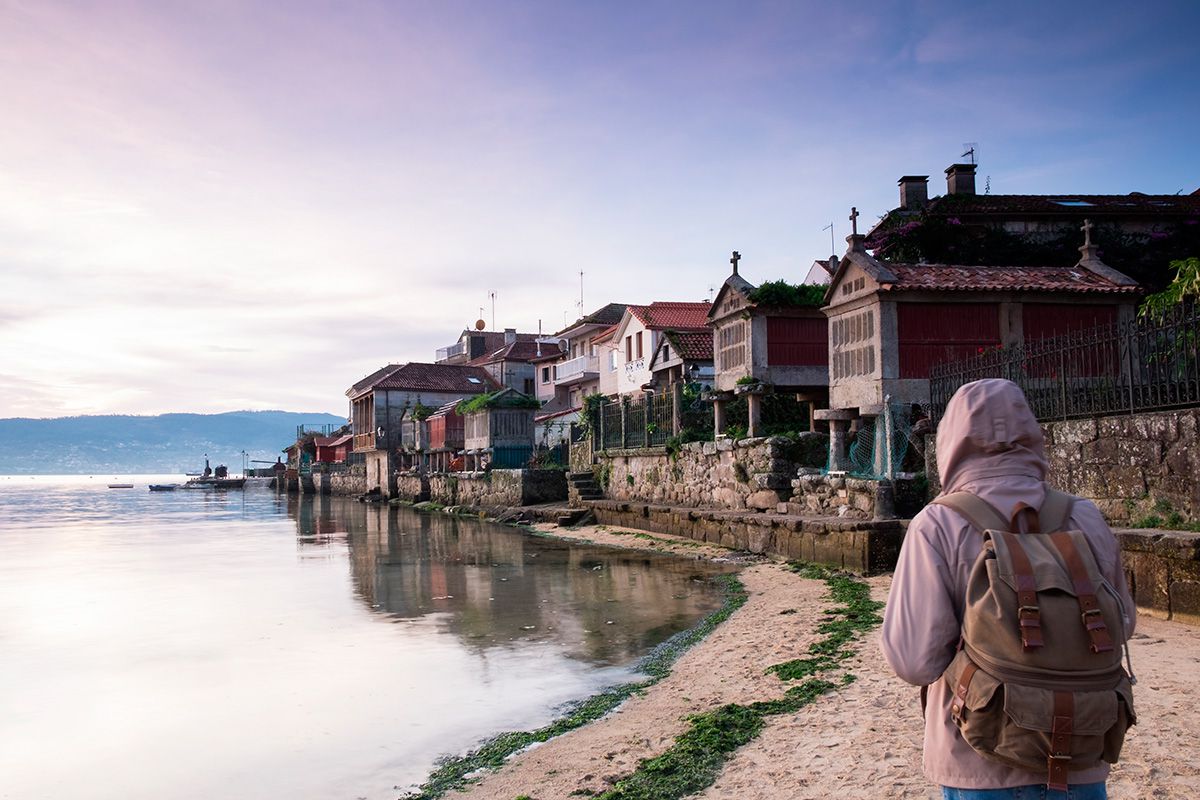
(1037, 682)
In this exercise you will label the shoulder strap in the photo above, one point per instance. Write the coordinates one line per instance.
(980, 513)
(1055, 511)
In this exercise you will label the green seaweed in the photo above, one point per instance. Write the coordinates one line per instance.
(454, 773)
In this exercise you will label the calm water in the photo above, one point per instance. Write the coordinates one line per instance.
(198, 644)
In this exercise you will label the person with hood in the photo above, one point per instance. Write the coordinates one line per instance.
(988, 444)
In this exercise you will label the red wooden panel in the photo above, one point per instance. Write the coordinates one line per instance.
(931, 333)
(797, 342)
(1044, 320)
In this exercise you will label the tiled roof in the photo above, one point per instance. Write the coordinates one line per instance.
(518, 351)
(445, 410)
(372, 379)
(331, 441)
(606, 334)
(606, 315)
(461, 378)
(554, 414)
(945, 277)
(676, 316)
(1134, 203)
(692, 345)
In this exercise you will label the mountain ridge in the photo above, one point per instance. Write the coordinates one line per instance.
(166, 443)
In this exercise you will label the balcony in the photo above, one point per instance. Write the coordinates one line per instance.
(364, 441)
(577, 370)
(454, 350)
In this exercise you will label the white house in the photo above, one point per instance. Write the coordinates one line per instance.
(638, 335)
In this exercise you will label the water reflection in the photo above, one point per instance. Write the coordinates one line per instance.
(495, 586)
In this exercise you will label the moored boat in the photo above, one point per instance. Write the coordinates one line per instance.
(163, 487)
(120, 486)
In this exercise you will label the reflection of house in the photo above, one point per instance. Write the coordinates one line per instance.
(641, 330)
(381, 401)
(890, 323)
(562, 383)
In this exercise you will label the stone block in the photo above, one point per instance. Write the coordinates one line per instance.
(1139, 452)
(1075, 431)
(1183, 597)
(1101, 451)
(1124, 482)
(763, 499)
(771, 480)
(759, 539)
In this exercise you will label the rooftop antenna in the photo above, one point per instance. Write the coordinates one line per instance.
(987, 185)
(832, 244)
(972, 150)
(710, 292)
(581, 293)
(492, 294)
(539, 339)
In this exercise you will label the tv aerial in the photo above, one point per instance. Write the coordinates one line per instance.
(971, 150)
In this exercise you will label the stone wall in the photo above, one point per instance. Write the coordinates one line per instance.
(748, 474)
(497, 489)
(344, 479)
(412, 486)
(1163, 571)
(865, 547)
(815, 494)
(1136, 468)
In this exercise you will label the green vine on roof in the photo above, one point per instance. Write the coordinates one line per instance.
(781, 293)
(421, 411)
(500, 399)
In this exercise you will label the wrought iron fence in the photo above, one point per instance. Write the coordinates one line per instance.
(648, 421)
(1146, 364)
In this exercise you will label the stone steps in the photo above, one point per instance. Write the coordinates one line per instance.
(583, 486)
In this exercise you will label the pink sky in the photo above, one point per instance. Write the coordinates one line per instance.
(217, 206)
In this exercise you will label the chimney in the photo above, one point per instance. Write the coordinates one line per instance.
(510, 335)
(960, 179)
(914, 191)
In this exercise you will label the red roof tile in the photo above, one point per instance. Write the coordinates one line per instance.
(692, 345)
(677, 316)
(606, 334)
(331, 441)
(439, 378)
(519, 351)
(372, 379)
(945, 277)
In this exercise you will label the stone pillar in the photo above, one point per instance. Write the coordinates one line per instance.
(754, 414)
(718, 417)
(839, 420)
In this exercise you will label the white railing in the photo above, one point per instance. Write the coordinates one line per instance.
(576, 368)
(456, 349)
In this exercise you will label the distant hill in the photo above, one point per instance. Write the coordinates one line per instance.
(165, 443)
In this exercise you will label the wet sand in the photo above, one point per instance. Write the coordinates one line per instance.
(859, 741)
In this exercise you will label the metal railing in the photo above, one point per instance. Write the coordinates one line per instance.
(576, 368)
(648, 421)
(1146, 364)
(456, 349)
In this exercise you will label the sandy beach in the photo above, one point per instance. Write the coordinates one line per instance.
(861, 740)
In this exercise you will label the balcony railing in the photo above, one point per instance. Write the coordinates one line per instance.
(456, 349)
(577, 369)
(364, 441)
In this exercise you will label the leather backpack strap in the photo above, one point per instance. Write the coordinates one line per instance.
(1055, 511)
(980, 513)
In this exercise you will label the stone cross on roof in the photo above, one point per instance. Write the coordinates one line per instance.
(734, 260)
(1087, 232)
(853, 221)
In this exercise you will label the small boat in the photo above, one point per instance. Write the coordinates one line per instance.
(120, 486)
(215, 483)
(163, 487)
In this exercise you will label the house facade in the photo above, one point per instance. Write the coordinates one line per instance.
(516, 364)
(563, 383)
(638, 336)
(382, 401)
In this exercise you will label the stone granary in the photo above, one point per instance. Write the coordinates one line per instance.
(890, 323)
(762, 345)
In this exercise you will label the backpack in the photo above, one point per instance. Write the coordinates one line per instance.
(1037, 682)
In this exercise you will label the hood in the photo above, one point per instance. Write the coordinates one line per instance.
(988, 431)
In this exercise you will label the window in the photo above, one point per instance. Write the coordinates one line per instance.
(529, 386)
(639, 344)
(666, 352)
(474, 380)
(629, 348)
(545, 374)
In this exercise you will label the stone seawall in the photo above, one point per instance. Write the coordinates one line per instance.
(494, 490)
(343, 479)
(864, 547)
(1163, 570)
(748, 474)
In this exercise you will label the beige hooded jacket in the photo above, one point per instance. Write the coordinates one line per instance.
(988, 443)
